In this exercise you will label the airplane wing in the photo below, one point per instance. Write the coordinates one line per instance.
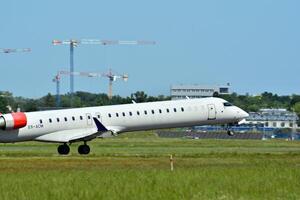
(68, 135)
(76, 135)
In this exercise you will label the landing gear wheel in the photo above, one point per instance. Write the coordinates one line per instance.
(230, 133)
(63, 149)
(84, 149)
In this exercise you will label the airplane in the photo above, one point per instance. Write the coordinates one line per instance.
(68, 126)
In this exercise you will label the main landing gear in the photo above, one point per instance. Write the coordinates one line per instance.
(64, 149)
(84, 149)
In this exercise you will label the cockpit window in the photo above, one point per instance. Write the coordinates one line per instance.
(227, 104)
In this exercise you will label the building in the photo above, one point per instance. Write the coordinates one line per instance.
(197, 91)
(273, 118)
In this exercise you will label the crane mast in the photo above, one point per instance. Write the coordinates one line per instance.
(112, 77)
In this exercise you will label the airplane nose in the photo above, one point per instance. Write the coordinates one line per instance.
(243, 114)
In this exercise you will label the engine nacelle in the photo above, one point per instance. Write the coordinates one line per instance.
(13, 121)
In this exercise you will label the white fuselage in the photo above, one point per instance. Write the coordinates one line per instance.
(127, 117)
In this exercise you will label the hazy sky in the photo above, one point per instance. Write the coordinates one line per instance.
(254, 45)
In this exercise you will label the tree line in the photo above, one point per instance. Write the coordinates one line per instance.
(10, 103)
(247, 102)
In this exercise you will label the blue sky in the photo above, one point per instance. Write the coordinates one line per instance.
(254, 45)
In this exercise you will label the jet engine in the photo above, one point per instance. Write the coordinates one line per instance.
(13, 121)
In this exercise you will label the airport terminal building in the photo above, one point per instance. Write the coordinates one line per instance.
(273, 118)
(197, 91)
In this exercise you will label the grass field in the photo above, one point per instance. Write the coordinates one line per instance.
(136, 166)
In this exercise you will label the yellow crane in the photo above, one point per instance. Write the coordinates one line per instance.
(112, 77)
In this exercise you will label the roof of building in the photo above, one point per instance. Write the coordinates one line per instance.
(197, 86)
(273, 115)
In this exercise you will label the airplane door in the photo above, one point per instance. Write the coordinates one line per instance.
(211, 111)
(89, 119)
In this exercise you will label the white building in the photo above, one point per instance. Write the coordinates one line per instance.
(197, 91)
(273, 118)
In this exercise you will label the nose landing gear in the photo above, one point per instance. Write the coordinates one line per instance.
(230, 133)
(228, 130)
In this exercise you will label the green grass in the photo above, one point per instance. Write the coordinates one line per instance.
(135, 167)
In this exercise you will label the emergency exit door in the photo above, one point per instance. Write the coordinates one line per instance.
(211, 111)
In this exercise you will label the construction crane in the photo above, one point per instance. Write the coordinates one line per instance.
(112, 76)
(6, 50)
(57, 80)
(75, 42)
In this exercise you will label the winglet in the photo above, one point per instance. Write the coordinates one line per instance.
(100, 126)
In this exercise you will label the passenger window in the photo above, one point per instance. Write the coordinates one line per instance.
(73, 118)
(138, 112)
(89, 117)
(182, 109)
(175, 110)
(109, 115)
(130, 113)
(145, 112)
(117, 114)
(41, 121)
(81, 118)
(57, 119)
(168, 110)
(66, 119)
(50, 120)
(123, 114)
(152, 111)
(160, 111)
(98, 116)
